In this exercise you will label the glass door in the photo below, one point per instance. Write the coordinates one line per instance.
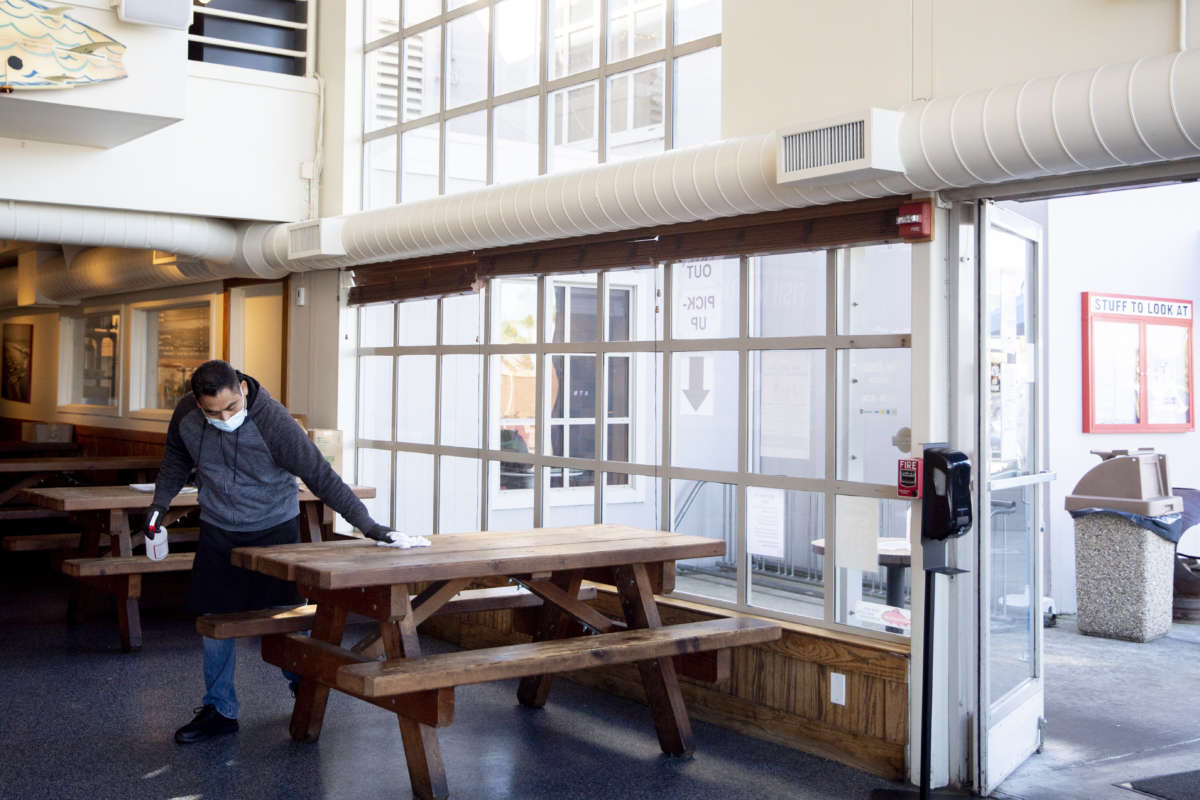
(1013, 489)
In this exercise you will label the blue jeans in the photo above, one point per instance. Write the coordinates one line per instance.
(220, 660)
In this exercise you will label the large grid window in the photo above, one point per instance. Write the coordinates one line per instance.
(463, 95)
(760, 399)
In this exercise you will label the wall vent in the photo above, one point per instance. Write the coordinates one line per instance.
(315, 238)
(849, 148)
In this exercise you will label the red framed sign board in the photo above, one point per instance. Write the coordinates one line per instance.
(1137, 364)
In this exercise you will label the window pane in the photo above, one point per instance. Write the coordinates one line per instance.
(705, 298)
(513, 398)
(619, 311)
(582, 382)
(632, 500)
(461, 394)
(1116, 377)
(511, 508)
(414, 400)
(461, 495)
(421, 92)
(375, 389)
(704, 410)
(695, 19)
(618, 444)
(177, 341)
(877, 290)
(516, 62)
(383, 17)
(618, 386)
(379, 173)
(697, 98)
(639, 318)
(414, 493)
(419, 160)
(583, 313)
(571, 310)
(704, 508)
(466, 152)
(97, 352)
(873, 555)
(515, 141)
(574, 28)
(787, 294)
(568, 506)
(786, 544)
(515, 474)
(420, 10)
(1167, 377)
(635, 113)
(418, 322)
(382, 78)
(466, 59)
(635, 27)
(375, 469)
(787, 407)
(572, 115)
(515, 313)
(462, 319)
(376, 325)
(873, 417)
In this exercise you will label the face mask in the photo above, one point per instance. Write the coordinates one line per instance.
(233, 423)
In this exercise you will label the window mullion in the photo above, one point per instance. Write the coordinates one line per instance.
(832, 276)
(541, 428)
(742, 557)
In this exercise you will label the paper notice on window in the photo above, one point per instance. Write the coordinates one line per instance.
(764, 521)
(857, 533)
(786, 413)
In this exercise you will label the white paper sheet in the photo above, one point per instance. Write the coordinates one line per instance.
(764, 521)
(857, 533)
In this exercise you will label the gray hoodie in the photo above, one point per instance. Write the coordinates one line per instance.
(246, 478)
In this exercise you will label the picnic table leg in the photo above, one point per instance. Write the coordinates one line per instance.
(127, 590)
(89, 547)
(658, 675)
(426, 772)
(311, 697)
(310, 528)
(552, 623)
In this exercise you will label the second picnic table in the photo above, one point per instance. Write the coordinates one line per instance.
(105, 511)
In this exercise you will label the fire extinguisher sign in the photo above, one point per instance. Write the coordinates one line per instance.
(908, 477)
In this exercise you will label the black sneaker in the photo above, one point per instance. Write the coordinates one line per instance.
(208, 723)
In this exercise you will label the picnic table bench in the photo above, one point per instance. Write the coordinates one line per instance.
(105, 512)
(550, 564)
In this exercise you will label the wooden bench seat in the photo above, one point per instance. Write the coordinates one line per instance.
(28, 542)
(446, 670)
(125, 565)
(292, 620)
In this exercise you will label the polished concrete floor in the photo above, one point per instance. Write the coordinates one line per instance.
(80, 719)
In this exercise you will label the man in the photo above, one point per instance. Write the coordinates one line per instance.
(247, 451)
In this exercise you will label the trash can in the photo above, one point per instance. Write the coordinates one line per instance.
(1126, 527)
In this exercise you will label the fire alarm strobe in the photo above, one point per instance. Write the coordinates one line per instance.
(915, 220)
(908, 477)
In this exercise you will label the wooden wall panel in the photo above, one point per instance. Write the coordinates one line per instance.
(97, 441)
(778, 691)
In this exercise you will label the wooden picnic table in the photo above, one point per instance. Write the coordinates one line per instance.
(374, 581)
(13, 449)
(106, 511)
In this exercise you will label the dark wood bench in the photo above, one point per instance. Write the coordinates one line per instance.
(292, 620)
(121, 577)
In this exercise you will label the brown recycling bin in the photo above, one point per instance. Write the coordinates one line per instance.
(1124, 574)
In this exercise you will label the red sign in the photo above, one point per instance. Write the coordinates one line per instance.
(909, 472)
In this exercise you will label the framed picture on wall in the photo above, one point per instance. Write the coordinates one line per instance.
(17, 363)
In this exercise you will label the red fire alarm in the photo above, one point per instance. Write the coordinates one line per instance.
(909, 473)
(915, 220)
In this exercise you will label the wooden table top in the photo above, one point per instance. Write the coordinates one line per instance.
(106, 498)
(8, 449)
(350, 564)
(78, 463)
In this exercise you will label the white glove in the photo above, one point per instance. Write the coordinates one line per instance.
(403, 541)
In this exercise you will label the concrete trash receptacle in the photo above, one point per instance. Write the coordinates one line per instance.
(1124, 573)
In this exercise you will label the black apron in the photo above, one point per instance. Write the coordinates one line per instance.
(218, 587)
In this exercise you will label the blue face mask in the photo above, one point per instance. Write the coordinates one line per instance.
(233, 423)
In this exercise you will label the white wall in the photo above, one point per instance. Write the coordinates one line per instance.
(1143, 242)
(788, 61)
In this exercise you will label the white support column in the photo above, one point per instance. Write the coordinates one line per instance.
(930, 423)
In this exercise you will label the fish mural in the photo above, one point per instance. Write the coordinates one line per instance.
(41, 47)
